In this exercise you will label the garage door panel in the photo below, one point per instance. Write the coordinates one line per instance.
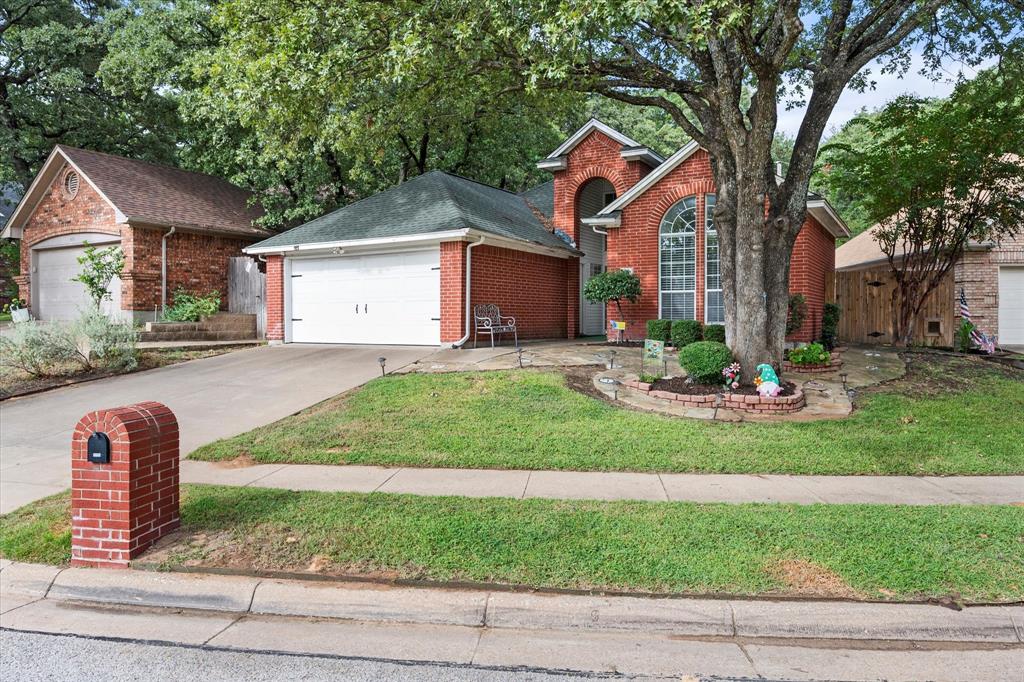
(56, 296)
(374, 299)
(1011, 305)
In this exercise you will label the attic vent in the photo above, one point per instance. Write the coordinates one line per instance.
(71, 184)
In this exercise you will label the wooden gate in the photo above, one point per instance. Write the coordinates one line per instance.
(247, 290)
(865, 297)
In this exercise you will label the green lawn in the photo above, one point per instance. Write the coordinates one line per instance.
(949, 416)
(839, 550)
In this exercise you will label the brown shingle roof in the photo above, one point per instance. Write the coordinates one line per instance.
(161, 195)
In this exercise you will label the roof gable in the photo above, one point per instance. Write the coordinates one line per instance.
(631, 149)
(148, 193)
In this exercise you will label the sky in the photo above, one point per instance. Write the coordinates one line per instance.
(887, 88)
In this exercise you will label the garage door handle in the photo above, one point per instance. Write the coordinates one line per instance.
(364, 307)
(357, 308)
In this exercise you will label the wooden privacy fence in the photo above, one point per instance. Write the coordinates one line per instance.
(865, 297)
(247, 290)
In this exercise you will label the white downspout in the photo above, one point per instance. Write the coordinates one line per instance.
(594, 228)
(469, 305)
(163, 271)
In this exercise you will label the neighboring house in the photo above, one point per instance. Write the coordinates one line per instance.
(177, 229)
(991, 276)
(402, 266)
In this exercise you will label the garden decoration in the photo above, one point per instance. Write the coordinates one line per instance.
(654, 349)
(732, 376)
(17, 310)
(767, 381)
(985, 342)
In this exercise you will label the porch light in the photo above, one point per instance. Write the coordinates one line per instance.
(381, 361)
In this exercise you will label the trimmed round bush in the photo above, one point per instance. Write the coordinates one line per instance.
(659, 329)
(714, 332)
(685, 332)
(705, 360)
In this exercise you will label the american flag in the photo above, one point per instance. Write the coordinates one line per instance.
(983, 341)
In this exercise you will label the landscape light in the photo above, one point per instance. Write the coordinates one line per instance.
(380, 361)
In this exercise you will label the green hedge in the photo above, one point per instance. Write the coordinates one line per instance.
(714, 332)
(705, 360)
(685, 332)
(659, 329)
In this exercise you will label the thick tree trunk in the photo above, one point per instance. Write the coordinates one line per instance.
(755, 249)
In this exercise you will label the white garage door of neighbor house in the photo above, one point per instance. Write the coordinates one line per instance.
(1011, 305)
(55, 296)
(390, 298)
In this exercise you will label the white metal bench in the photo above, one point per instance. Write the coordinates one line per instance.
(487, 319)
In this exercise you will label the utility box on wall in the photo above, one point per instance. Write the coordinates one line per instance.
(124, 483)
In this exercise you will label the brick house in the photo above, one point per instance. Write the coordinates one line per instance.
(177, 229)
(405, 265)
(991, 276)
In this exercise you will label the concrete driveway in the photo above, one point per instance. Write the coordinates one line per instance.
(213, 398)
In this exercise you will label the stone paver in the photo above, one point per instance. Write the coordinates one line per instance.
(598, 485)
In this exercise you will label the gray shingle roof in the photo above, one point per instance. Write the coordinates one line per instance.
(542, 198)
(433, 202)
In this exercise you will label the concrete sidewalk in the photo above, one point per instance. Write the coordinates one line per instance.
(915, 490)
(798, 640)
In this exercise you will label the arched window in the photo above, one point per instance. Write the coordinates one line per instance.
(677, 246)
(714, 305)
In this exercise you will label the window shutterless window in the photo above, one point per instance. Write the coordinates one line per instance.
(714, 304)
(677, 261)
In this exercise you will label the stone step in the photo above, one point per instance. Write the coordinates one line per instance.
(198, 335)
(171, 326)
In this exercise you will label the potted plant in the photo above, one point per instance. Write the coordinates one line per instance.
(17, 310)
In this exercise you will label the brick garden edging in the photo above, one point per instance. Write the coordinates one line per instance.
(830, 366)
(745, 403)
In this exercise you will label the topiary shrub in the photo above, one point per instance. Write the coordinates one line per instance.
(811, 354)
(705, 360)
(714, 332)
(660, 330)
(685, 332)
(830, 325)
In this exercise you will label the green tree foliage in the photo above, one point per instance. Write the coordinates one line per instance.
(99, 268)
(50, 51)
(613, 285)
(937, 176)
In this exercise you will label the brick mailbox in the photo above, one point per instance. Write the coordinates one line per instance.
(124, 483)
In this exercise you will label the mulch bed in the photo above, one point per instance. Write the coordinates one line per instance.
(679, 385)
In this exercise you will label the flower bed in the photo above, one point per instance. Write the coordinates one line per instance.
(834, 363)
(745, 401)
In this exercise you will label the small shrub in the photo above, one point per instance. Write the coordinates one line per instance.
(811, 354)
(660, 330)
(705, 360)
(37, 348)
(106, 342)
(189, 307)
(714, 332)
(685, 332)
(649, 378)
(797, 313)
(963, 336)
(830, 325)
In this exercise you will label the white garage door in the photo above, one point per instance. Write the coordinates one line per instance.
(1011, 305)
(55, 296)
(380, 299)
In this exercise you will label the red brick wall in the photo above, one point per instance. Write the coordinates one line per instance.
(275, 298)
(57, 215)
(197, 263)
(121, 508)
(453, 289)
(528, 286)
(813, 263)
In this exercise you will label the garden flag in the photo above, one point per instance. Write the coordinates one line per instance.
(983, 341)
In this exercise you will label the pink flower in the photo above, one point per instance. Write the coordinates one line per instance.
(735, 385)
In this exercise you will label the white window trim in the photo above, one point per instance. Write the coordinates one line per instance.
(708, 227)
(693, 235)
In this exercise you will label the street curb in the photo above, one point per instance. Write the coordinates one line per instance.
(373, 602)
